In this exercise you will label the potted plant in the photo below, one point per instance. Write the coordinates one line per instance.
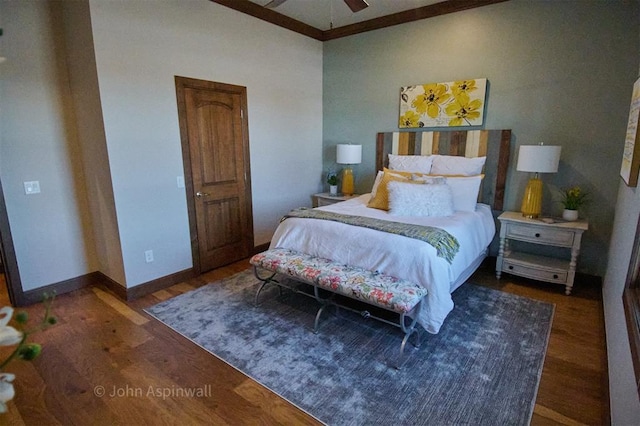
(572, 199)
(332, 180)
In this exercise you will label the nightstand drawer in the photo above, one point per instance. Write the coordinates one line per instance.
(326, 199)
(537, 234)
(534, 272)
(325, 202)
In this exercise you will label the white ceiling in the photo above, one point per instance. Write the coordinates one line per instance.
(320, 13)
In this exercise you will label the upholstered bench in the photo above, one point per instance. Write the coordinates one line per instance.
(376, 289)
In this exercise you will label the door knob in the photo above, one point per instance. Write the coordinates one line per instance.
(201, 194)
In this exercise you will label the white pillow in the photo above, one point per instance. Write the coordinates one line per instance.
(429, 180)
(411, 163)
(465, 191)
(454, 165)
(407, 199)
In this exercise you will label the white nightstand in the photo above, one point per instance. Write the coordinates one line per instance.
(324, 199)
(514, 226)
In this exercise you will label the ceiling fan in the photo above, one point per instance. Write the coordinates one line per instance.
(354, 5)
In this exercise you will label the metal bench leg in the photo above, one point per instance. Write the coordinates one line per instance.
(317, 321)
(265, 281)
(402, 357)
(324, 303)
(408, 331)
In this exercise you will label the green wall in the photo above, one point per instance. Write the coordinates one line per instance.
(559, 72)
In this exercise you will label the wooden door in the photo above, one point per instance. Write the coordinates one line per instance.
(215, 148)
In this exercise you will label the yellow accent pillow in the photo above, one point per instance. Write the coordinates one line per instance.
(408, 175)
(380, 200)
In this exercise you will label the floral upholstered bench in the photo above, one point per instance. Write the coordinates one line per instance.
(380, 290)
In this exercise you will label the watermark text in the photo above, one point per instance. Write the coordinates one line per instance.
(128, 391)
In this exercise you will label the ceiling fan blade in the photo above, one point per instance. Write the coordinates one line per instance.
(274, 3)
(356, 5)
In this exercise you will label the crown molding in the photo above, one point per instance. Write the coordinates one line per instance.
(437, 9)
(260, 12)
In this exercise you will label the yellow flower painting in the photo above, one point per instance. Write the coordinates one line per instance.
(409, 119)
(463, 110)
(433, 96)
(452, 104)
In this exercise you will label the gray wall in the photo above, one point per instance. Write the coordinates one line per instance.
(83, 80)
(51, 231)
(139, 48)
(624, 399)
(93, 117)
(559, 73)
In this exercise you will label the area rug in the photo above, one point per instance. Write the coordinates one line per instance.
(483, 368)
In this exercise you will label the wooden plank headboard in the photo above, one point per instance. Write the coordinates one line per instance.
(494, 144)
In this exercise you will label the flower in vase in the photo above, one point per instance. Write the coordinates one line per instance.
(573, 198)
(10, 336)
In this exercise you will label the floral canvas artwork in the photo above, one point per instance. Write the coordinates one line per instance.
(452, 104)
(631, 156)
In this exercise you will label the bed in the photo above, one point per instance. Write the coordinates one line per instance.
(471, 222)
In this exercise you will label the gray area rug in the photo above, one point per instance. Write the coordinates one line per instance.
(483, 368)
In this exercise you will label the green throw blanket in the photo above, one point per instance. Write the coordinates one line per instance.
(446, 245)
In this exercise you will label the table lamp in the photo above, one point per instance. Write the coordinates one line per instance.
(348, 154)
(537, 159)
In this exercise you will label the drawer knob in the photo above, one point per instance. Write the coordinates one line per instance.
(510, 267)
(555, 276)
(537, 235)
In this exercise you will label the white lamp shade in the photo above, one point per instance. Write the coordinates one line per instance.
(349, 154)
(538, 158)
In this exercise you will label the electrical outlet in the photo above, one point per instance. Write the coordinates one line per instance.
(148, 256)
(32, 187)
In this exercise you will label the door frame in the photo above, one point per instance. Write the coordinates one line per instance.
(183, 83)
(9, 260)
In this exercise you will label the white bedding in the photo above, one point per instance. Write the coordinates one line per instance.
(394, 255)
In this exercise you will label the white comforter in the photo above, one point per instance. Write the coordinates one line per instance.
(395, 255)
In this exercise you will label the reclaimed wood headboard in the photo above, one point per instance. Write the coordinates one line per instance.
(494, 144)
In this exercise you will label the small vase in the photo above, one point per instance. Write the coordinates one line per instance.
(570, 215)
(333, 189)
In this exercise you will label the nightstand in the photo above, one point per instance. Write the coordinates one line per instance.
(559, 233)
(325, 199)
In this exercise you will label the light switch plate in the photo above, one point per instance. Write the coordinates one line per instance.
(32, 187)
(180, 181)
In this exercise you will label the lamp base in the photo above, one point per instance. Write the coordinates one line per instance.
(347, 181)
(532, 200)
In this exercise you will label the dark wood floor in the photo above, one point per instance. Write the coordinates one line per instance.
(107, 362)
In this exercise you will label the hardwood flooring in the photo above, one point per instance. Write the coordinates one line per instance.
(108, 362)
